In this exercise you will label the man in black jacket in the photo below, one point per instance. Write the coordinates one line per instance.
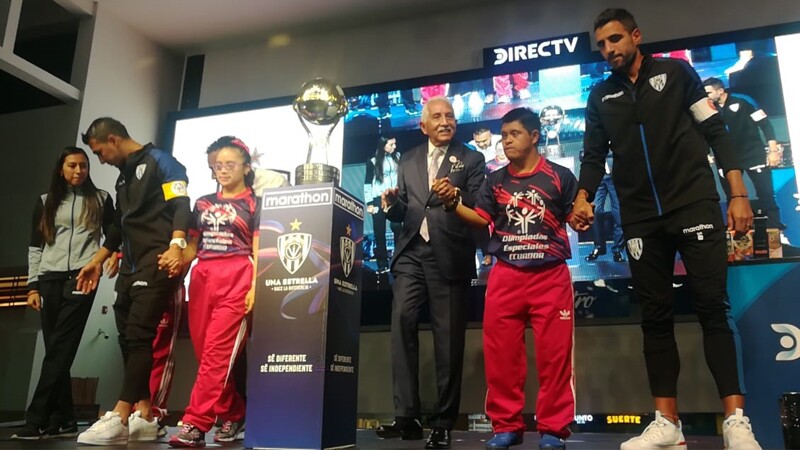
(433, 263)
(744, 121)
(656, 119)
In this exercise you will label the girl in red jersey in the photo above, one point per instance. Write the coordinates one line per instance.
(224, 238)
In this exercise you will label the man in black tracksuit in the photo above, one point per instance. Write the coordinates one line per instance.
(656, 119)
(152, 217)
(744, 121)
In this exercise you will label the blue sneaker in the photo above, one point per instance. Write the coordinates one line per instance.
(550, 442)
(501, 441)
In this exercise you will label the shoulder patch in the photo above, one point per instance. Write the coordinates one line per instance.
(174, 189)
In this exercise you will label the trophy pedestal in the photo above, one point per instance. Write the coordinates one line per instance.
(316, 173)
(302, 381)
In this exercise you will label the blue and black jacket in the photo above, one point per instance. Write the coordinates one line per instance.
(152, 202)
(659, 130)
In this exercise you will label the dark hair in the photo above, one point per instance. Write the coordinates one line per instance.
(529, 119)
(620, 15)
(234, 142)
(380, 156)
(481, 130)
(92, 206)
(101, 128)
(716, 83)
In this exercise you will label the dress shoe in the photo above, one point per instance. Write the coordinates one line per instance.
(502, 441)
(595, 254)
(439, 438)
(409, 431)
(618, 257)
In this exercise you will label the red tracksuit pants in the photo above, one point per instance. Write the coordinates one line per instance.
(218, 328)
(164, 354)
(544, 297)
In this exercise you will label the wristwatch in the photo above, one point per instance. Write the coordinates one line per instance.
(180, 242)
(452, 206)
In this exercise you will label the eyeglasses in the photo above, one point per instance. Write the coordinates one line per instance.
(229, 166)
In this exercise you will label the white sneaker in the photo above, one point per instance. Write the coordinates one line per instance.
(140, 429)
(108, 430)
(737, 434)
(661, 434)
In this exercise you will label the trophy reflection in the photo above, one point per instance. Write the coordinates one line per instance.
(319, 106)
(552, 117)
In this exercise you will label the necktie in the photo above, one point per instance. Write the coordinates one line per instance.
(433, 169)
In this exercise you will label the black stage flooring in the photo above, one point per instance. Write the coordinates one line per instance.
(462, 440)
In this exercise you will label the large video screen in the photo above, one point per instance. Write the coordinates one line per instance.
(387, 115)
(749, 69)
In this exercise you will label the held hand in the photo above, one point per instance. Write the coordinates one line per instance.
(35, 300)
(171, 261)
(112, 266)
(250, 299)
(389, 197)
(740, 215)
(582, 215)
(88, 277)
(444, 190)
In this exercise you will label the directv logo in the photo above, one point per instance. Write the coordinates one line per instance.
(534, 50)
(310, 197)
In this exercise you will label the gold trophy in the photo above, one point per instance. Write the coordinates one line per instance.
(319, 106)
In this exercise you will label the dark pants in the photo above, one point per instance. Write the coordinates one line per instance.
(64, 317)
(379, 226)
(698, 233)
(606, 191)
(142, 299)
(762, 182)
(418, 281)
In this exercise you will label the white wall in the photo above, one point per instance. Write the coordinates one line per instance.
(137, 82)
(443, 43)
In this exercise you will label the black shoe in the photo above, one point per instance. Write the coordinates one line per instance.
(67, 430)
(29, 433)
(410, 430)
(439, 438)
(618, 257)
(595, 254)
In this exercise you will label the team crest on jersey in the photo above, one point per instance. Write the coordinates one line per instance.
(734, 107)
(293, 248)
(524, 209)
(658, 82)
(635, 248)
(218, 215)
(140, 171)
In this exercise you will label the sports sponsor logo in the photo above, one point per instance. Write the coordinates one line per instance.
(635, 248)
(534, 50)
(612, 96)
(309, 197)
(696, 228)
(789, 341)
(564, 314)
(349, 204)
(139, 283)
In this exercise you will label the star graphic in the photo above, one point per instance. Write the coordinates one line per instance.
(295, 225)
(348, 229)
(255, 157)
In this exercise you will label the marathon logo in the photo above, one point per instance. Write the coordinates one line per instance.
(349, 204)
(696, 228)
(308, 197)
(546, 48)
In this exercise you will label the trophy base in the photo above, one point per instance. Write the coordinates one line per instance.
(316, 173)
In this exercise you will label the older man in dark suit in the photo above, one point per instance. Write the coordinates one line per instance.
(433, 263)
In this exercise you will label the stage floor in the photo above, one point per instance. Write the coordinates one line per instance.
(462, 440)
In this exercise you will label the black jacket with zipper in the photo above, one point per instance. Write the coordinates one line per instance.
(659, 130)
